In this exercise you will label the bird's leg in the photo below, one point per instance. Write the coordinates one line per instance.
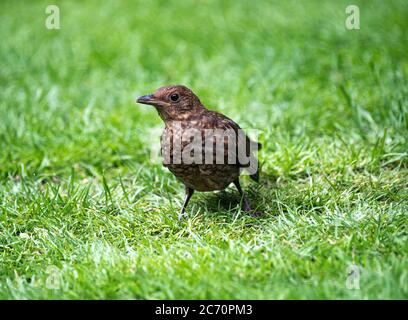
(189, 193)
(245, 203)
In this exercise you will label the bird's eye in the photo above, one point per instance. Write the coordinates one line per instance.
(174, 97)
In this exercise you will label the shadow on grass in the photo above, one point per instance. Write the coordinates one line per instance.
(261, 197)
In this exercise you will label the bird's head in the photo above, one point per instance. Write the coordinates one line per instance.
(175, 102)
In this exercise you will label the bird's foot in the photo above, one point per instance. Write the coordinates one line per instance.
(256, 214)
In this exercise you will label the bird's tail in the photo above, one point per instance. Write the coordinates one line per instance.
(255, 176)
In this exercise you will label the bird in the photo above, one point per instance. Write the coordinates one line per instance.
(182, 111)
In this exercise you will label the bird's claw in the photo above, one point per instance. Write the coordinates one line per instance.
(256, 214)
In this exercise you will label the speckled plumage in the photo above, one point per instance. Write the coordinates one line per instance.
(188, 113)
(200, 177)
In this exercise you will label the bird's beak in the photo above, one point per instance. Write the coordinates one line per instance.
(147, 99)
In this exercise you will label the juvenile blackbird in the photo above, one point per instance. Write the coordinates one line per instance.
(182, 111)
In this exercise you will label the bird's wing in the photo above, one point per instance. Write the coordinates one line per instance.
(242, 151)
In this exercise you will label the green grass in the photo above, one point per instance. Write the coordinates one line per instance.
(85, 214)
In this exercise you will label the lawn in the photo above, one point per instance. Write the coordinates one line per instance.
(85, 212)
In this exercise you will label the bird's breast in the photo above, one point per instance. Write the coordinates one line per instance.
(186, 155)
